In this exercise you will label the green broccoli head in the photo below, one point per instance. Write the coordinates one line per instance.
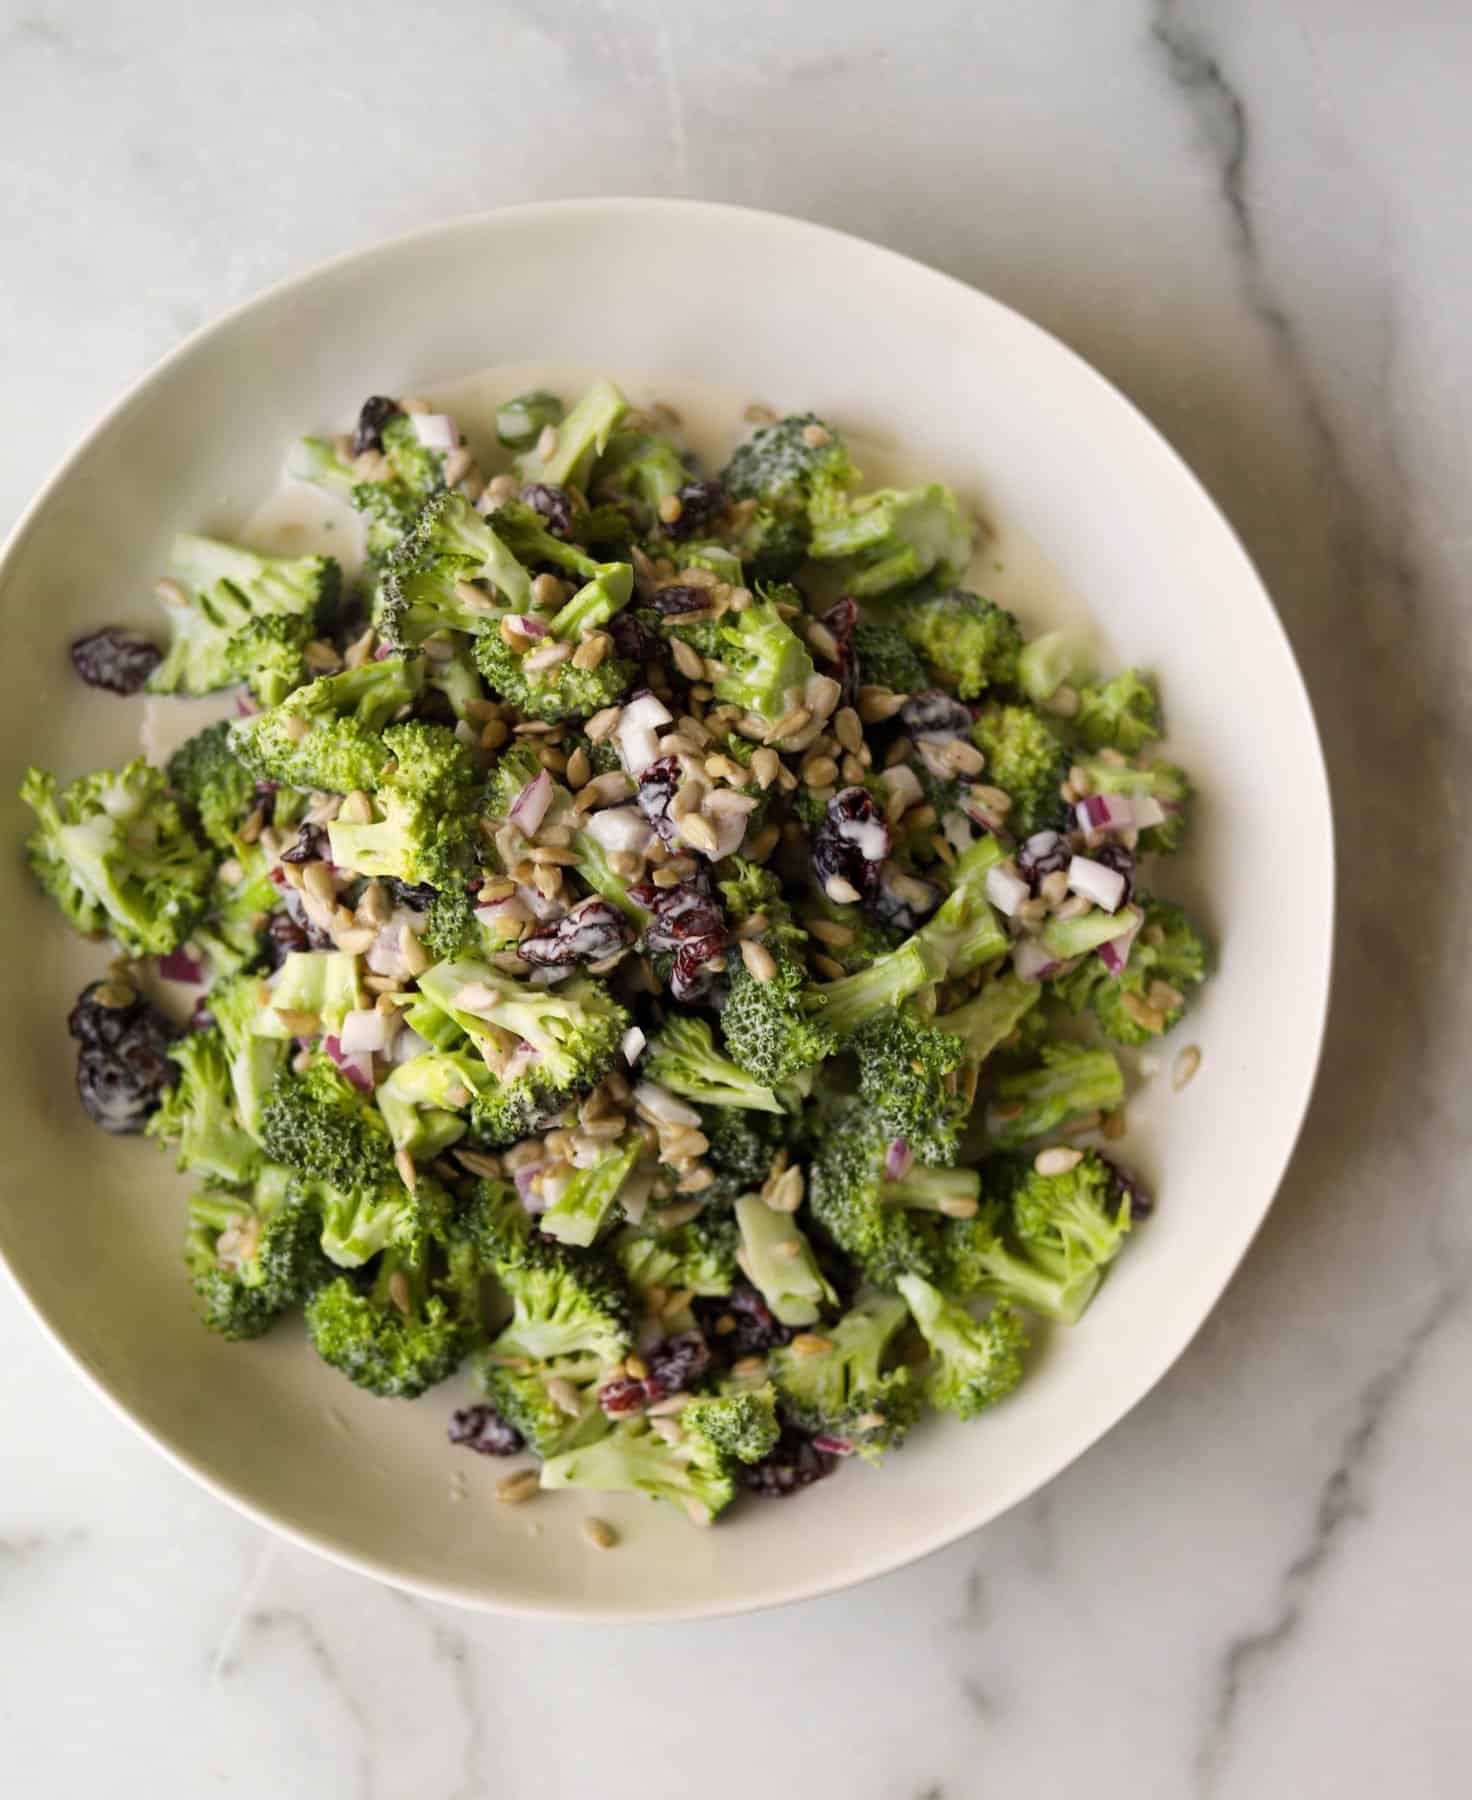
(214, 784)
(1123, 714)
(907, 1081)
(1026, 758)
(451, 572)
(1166, 960)
(883, 984)
(690, 1473)
(113, 851)
(254, 1059)
(527, 534)
(983, 1255)
(422, 1100)
(858, 941)
(426, 830)
(682, 1056)
(845, 1391)
(450, 929)
(700, 1256)
(639, 469)
(252, 1253)
(790, 466)
(982, 1025)
(1070, 1222)
(553, 1404)
(772, 546)
(970, 643)
(892, 539)
(391, 497)
(395, 1333)
(198, 1113)
(567, 1302)
(240, 905)
(743, 1146)
(887, 659)
(561, 691)
(238, 616)
(1067, 1082)
(964, 932)
(327, 736)
(740, 1426)
(974, 1362)
(770, 1025)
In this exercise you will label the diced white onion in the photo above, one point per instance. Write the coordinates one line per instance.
(1096, 881)
(436, 431)
(362, 1030)
(620, 828)
(637, 733)
(1006, 889)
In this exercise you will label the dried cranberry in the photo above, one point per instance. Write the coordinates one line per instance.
(553, 503)
(755, 1328)
(903, 906)
(633, 639)
(700, 503)
(670, 602)
(316, 937)
(659, 782)
(418, 896)
(1124, 1184)
(120, 661)
(595, 928)
(123, 1066)
(677, 1364)
(691, 977)
(852, 841)
(684, 917)
(482, 1429)
(935, 717)
(284, 937)
(1044, 853)
(310, 846)
(373, 415)
(1122, 861)
(842, 620)
(793, 1462)
(622, 1395)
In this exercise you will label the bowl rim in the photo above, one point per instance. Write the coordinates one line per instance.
(1019, 1489)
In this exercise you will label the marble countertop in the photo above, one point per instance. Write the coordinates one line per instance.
(1253, 217)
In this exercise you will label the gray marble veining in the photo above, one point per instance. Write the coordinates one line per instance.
(1253, 217)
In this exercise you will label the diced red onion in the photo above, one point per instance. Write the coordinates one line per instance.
(620, 828)
(245, 705)
(1006, 889)
(632, 1045)
(832, 1446)
(664, 1105)
(1148, 811)
(1096, 881)
(529, 808)
(528, 624)
(1032, 960)
(638, 731)
(179, 965)
(530, 1199)
(363, 1031)
(1116, 953)
(897, 1159)
(1105, 812)
(436, 431)
(358, 1068)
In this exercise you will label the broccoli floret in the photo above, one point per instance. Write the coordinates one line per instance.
(770, 1027)
(113, 852)
(1069, 1081)
(582, 437)
(844, 1392)
(238, 911)
(683, 1057)
(252, 1253)
(886, 659)
(742, 1426)
(560, 692)
(422, 1100)
(790, 467)
(526, 534)
(569, 1037)
(981, 1255)
(326, 736)
(520, 422)
(743, 1146)
(452, 572)
(522, 1393)
(1164, 782)
(1076, 936)
(198, 1113)
(254, 1061)
(1124, 714)
(566, 1302)
(893, 538)
(888, 980)
(1050, 661)
(400, 1333)
(450, 928)
(907, 1080)
(211, 780)
(324, 984)
(988, 1020)
(975, 1362)
(640, 468)
(392, 499)
(964, 932)
(1073, 1221)
(691, 1473)
(496, 1222)
(584, 1204)
(1026, 758)
(772, 545)
(1165, 959)
(779, 1262)
(426, 831)
(969, 642)
(700, 1256)
(243, 617)
(766, 664)
(866, 939)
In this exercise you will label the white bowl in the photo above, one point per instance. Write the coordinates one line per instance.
(91, 1227)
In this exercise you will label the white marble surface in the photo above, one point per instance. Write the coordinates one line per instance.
(1253, 216)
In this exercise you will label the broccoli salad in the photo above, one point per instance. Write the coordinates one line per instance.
(657, 943)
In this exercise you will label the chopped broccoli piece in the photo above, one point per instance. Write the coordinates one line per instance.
(113, 852)
(779, 1262)
(326, 736)
(886, 659)
(743, 1146)
(843, 1392)
(907, 1080)
(766, 664)
(1124, 714)
(742, 1426)
(888, 980)
(582, 437)
(893, 538)
(403, 1331)
(198, 1113)
(641, 468)
(585, 1202)
(214, 784)
(254, 1060)
(1069, 1081)
(770, 1027)
(772, 545)
(969, 642)
(1075, 937)
(452, 572)
(526, 533)
(427, 830)
(391, 498)
(700, 1256)
(521, 1393)
(975, 1362)
(566, 1302)
(1026, 758)
(964, 932)
(691, 1474)
(683, 1057)
(520, 422)
(238, 911)
(243, 617)
(252, 1253)
(326, 984)
(422, 1100)
(987, 1021)
(1075, 1220)
(1164, 782)
(560, 692)
(1049, 662)
(982, 1255)
(1166, 958)
(791, 466)
(867, 941)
